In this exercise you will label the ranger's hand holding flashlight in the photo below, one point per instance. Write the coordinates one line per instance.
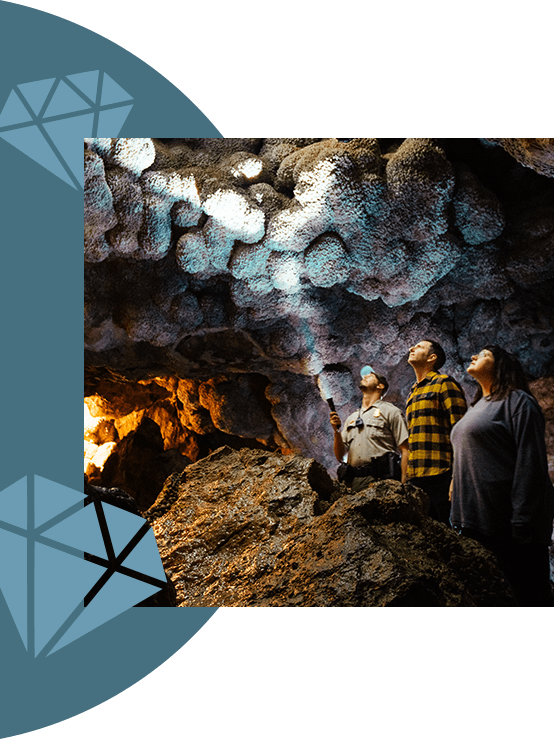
(335, 419)
(338, 446)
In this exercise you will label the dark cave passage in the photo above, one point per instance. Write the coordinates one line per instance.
(138, 433)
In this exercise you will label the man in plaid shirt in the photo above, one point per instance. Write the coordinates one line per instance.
(435, 403)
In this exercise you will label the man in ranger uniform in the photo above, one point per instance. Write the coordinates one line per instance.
(436, 402)
(373, 436)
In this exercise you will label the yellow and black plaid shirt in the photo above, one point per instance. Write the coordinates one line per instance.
(433, 407)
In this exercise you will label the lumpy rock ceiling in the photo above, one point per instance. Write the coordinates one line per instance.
(230, 283)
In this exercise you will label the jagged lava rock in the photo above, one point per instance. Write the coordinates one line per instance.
(252, 528)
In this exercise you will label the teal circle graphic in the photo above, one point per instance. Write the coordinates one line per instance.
(61, 83)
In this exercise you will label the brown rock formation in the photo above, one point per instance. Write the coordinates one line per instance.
(535, 153)
(252, 528)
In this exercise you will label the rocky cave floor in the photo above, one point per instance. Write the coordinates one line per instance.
(250, 527)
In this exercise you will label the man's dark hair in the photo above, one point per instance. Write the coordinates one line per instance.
(437, 349)
(508, 375)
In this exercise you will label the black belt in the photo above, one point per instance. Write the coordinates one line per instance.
(363, 470)
(387, 466)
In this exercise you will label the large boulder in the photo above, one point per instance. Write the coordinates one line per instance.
(254, 528)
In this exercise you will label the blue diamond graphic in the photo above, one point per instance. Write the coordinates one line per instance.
(48, 119)
(70, 563)
(14, 111)
(35, 93)
(87, 82)
(65, 100)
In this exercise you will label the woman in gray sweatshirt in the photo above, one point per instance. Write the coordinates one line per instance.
(501, 492)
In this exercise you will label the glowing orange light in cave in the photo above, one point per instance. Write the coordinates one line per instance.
(95, 455)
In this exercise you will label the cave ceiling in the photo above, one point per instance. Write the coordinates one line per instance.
(251, 276)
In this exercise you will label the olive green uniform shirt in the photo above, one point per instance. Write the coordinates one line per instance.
(384, 430)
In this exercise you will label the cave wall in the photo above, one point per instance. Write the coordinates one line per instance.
(254, 275)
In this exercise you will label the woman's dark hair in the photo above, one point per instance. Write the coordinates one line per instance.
(508, 375)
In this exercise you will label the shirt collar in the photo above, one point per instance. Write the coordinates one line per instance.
(373, 405)
(428, 377)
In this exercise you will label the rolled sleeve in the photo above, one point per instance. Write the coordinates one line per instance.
(398, 428)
